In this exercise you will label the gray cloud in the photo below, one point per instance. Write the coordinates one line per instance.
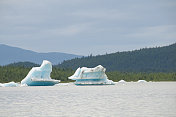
(87, 26)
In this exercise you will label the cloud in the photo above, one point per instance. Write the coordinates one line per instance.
(70, 30)
(103, 14)
(156, 32)
(87, 26)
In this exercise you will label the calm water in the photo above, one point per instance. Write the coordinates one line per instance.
(153, 99)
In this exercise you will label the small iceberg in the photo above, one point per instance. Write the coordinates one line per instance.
(141, 81)
(122, 81)
(10, 84)
(40, 76)
(91, 76)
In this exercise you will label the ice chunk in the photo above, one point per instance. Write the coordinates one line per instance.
(90, 76)
(141, 81)
(10, 84)
(40, 76)
(122, 81)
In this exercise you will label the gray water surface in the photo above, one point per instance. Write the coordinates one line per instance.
(151, 99)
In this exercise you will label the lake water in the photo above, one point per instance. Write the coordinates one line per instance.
(151, 99)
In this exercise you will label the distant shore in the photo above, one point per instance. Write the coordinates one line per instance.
(17, 73)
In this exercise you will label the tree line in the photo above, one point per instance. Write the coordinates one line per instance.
(17, 73)
(158, 59)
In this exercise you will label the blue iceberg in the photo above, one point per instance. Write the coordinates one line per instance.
(91, 76)
(40, 76)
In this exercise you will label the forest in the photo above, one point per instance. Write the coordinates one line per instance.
(158, 59)
(17, 73)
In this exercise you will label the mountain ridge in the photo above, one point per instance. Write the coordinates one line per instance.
(158, 59)
(9, 54)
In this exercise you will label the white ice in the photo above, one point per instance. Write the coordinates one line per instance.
(141, 81)
(94, 75)
(10, 84)
(122, 81)
(40, 76)
(37, 76)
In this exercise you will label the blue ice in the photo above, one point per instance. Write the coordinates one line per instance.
(40, 76)
(91, 76)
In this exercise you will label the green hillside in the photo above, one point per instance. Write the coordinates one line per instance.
(158, 59)
(17, 73)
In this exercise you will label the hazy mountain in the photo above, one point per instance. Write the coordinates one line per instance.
(10, 54)
(158, 59)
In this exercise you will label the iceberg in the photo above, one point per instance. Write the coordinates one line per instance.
(91, 76)
(40, 76)
(122, 81)
(141, 81)
(10, 84)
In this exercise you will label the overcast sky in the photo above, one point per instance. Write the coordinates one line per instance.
(87, 26)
